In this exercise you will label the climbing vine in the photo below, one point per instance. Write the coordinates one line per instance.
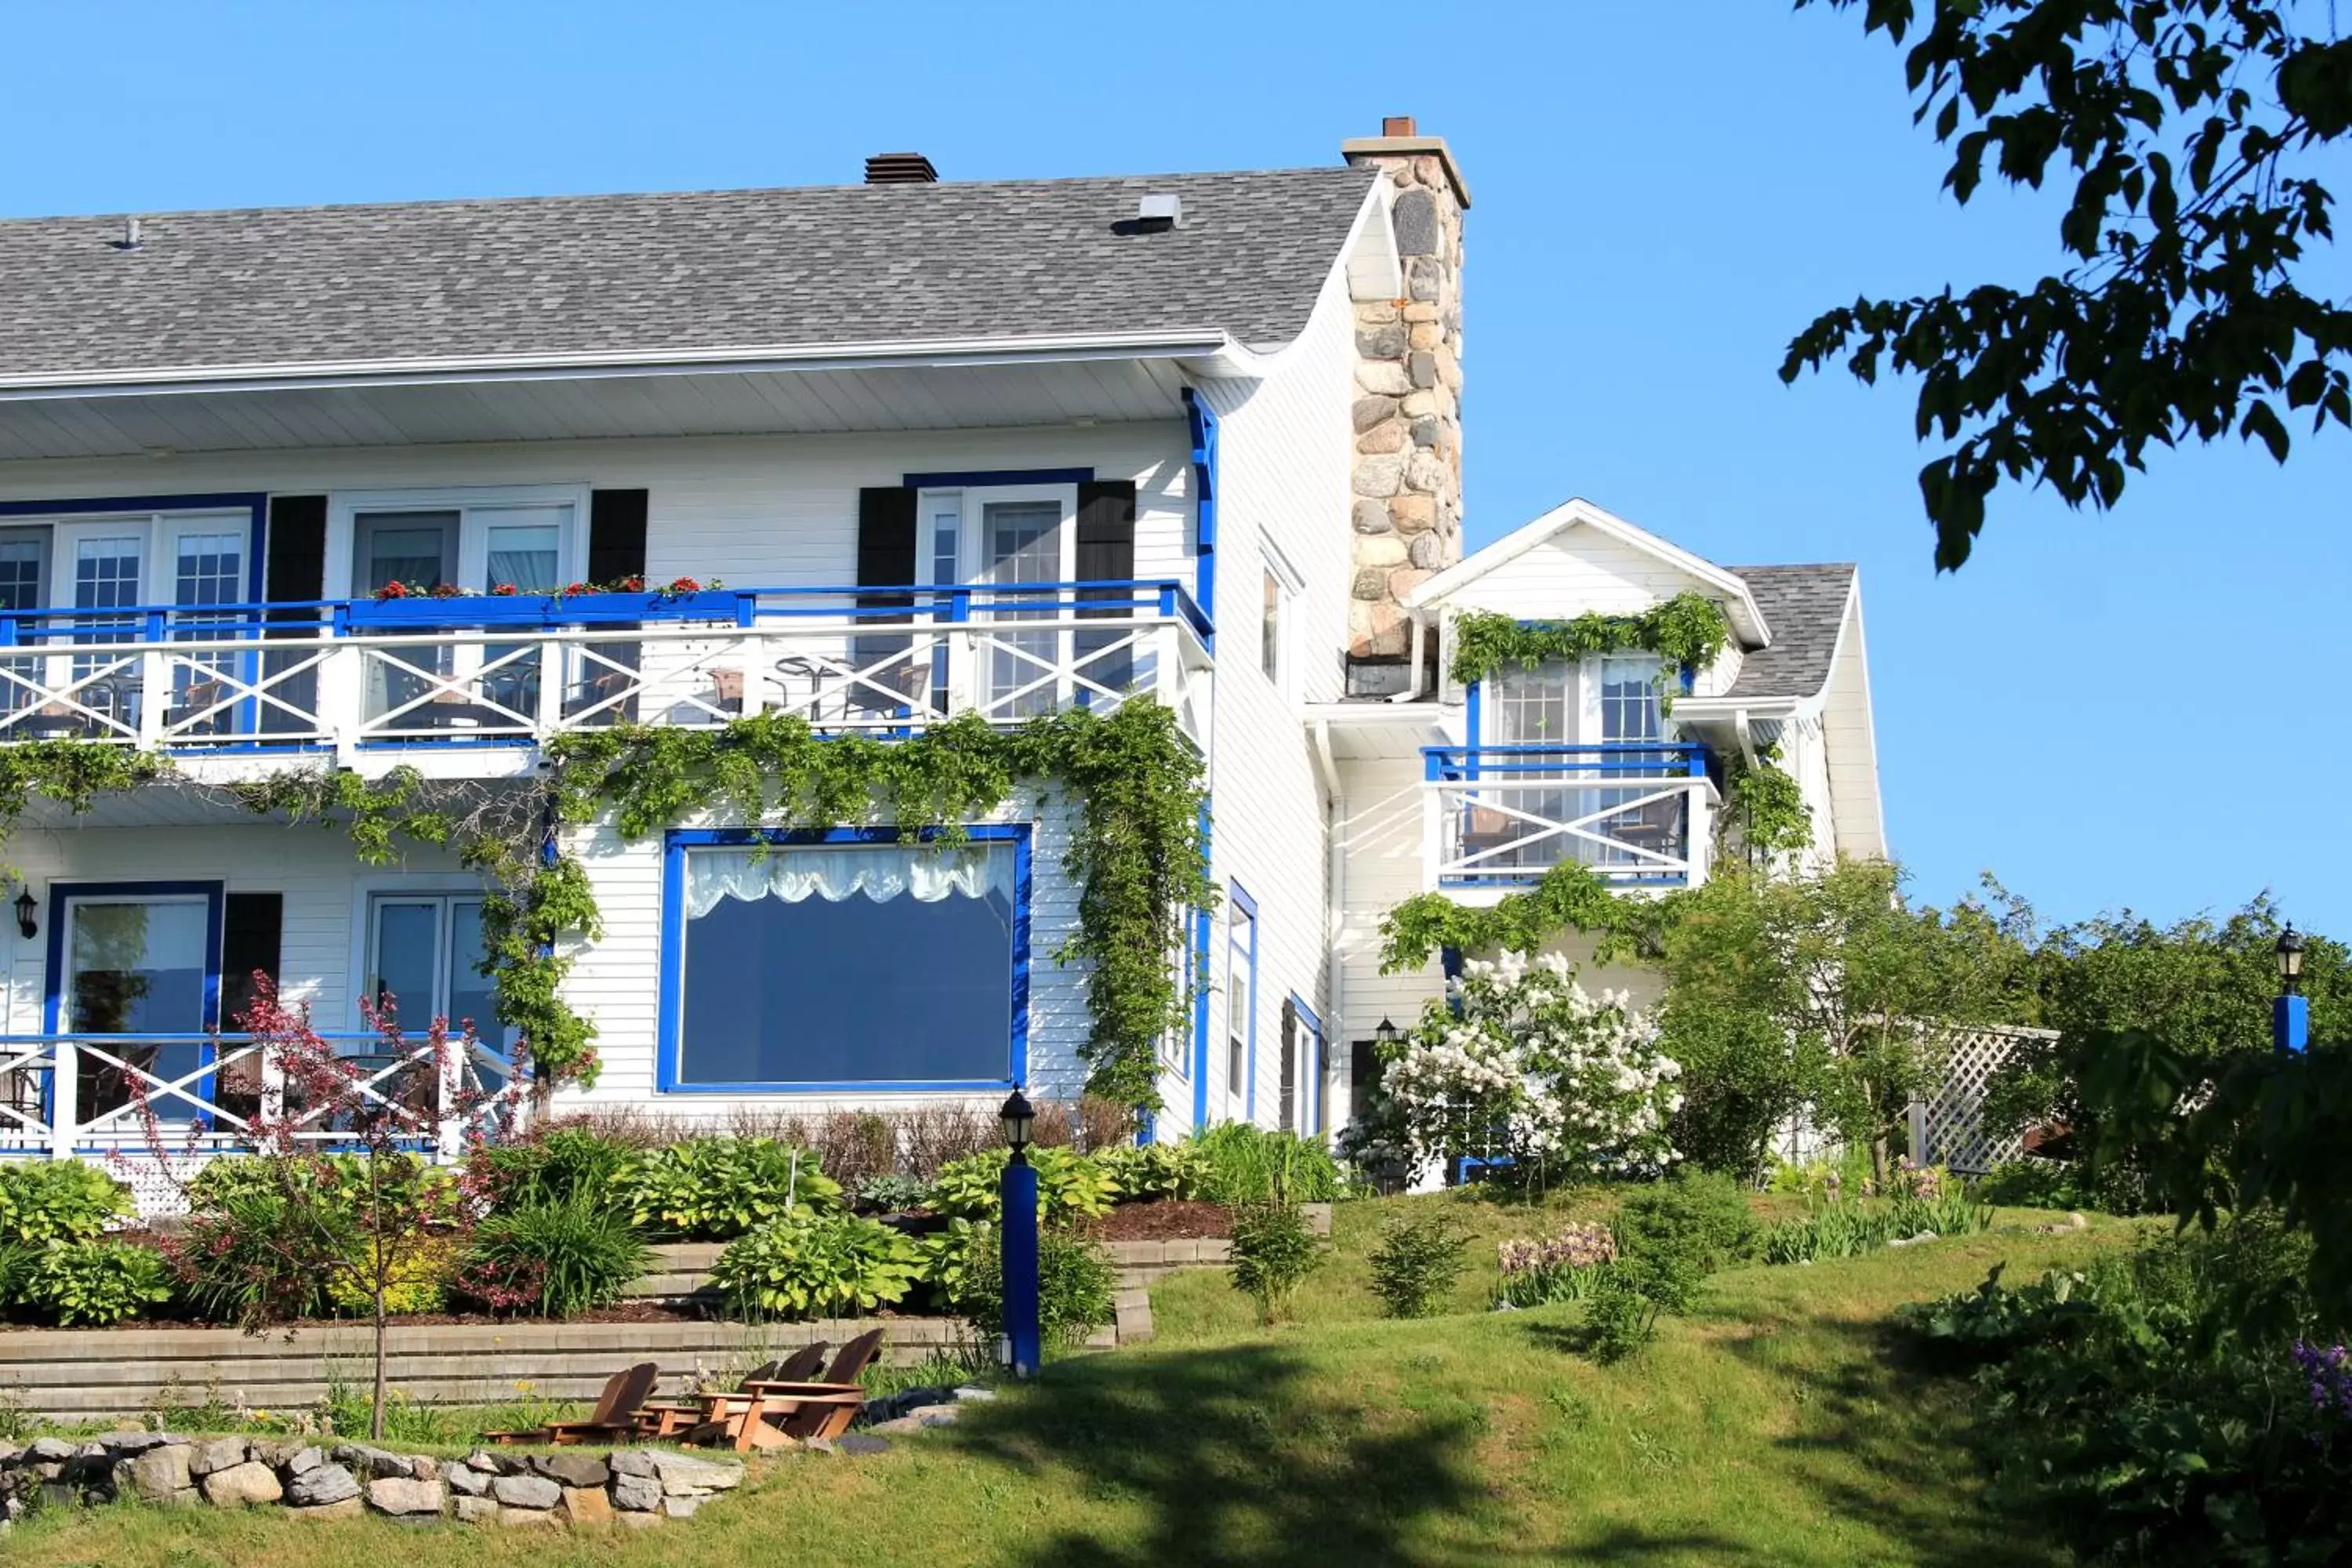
(1768, 806)
(1686, 632)
(1135, 849)
(1568, 898)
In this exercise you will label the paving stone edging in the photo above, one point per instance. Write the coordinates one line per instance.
(570, 1487)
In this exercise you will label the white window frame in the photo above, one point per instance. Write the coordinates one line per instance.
(970, 503)
(1288, 586)
(1241, 972)
(159, 533)
(476, 508)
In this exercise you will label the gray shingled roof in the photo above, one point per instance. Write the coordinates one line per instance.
(1803, 605)
(563, 275)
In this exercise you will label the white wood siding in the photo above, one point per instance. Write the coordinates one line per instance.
(324, 886)
(1283, 467)
(757, 512)
(1851, 743)
(1380, 827)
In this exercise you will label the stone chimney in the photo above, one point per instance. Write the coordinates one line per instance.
(1407, 407)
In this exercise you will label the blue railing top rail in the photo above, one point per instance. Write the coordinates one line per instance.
(882, 603)
(1568, 761)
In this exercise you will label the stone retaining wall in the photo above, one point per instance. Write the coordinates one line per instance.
(574, 1487)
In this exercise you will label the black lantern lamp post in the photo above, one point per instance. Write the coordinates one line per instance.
(2291, 1010)
(1023, 1334)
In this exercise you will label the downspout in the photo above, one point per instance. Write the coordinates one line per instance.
(1335, 1022)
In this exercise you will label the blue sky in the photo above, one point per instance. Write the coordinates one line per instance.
(2128, 710)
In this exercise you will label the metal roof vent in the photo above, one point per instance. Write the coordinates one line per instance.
(129, 241)
(1158, 211)
(900, 169)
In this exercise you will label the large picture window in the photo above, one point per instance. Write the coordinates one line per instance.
(868, 962)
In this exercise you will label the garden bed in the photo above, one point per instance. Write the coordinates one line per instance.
(1168, 1220)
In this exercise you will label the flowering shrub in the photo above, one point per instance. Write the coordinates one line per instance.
(1527, 1064)
(2331, 1378)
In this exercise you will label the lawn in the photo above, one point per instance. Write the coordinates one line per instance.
(1777, 1425)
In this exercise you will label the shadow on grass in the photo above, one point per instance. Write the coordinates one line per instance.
(1880, 1412)
(1244, 1455)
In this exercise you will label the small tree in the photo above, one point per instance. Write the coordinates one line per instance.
(1830, 991)
(366, 1218)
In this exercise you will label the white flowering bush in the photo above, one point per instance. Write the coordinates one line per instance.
(1526, 1065)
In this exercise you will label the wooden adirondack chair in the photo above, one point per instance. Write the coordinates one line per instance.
(614, 1418)
(807, 1410)
(679, 1418)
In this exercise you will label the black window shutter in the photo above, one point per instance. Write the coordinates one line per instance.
(295, 565)
(886, 558)
(251, 927)
(1106, 553)
(616, 535)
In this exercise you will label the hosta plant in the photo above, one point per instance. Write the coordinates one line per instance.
(1069, 1184)
(1144, 1172)
(95, 1283)
(814, 1266)
(43, 1201)
(711, 1189)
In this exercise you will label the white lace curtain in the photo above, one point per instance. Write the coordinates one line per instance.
(880, 871)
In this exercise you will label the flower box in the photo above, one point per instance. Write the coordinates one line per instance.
(423, 611)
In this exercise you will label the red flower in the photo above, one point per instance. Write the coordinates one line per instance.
(683, 586)
(575, 588)
(392, 590)
(503, 591)
(634, 583)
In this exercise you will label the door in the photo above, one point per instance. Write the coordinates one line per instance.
(103, 566)
(1023, 538)
(24, 580)
(140, 965)
(1633, 716)
(206, 562)
(426, 953)
(419, 551)
(1530, 707)
(523, 547)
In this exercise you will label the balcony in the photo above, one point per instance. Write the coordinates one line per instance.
(1499, 817)
(393, 678)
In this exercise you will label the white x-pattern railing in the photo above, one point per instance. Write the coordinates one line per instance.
(343, 682)
(1499, 817)
(69, 1095)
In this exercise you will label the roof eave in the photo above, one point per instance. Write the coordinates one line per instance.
(1212, 351)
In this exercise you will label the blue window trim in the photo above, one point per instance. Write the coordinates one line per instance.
(60, 894)
(678, 841)
(255, 504)
(1313, 1085)
(1204, 936)
(982, 479)
(1200, 424)
(1248, 906)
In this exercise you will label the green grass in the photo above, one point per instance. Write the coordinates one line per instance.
(1777, 1425)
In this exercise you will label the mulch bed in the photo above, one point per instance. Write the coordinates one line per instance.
(628, 1313)
(1169, 1220)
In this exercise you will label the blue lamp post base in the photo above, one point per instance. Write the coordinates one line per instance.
(2291, 1022)
(1023, 1335)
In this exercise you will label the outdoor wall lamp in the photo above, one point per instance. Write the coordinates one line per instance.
(26, 908)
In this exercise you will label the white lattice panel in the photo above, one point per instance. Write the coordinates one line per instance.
(1953, 1134)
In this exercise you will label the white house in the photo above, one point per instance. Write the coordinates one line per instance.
(983, 448)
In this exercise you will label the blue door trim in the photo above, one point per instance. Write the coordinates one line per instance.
(1312, 1087)
(60, 894)
(678, 841)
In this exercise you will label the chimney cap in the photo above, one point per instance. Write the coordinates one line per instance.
(1400, 137)
(900, 169)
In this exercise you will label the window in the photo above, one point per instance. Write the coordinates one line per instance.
(425, 962)
(1630, 705)
(1274, 651)
(1241, 997)
(1302, 1070)
(137, 960)
(866, 962)
(523, 535)
(1001, 535)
